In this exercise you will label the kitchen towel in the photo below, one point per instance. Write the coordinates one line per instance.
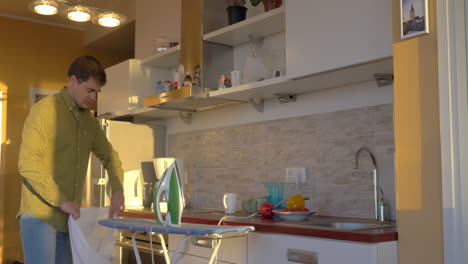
(90, 242)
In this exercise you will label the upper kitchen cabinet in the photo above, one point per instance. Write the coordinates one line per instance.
(254, 47)
(327, 35)
(131, 81)
(127, 84)
(300, 47)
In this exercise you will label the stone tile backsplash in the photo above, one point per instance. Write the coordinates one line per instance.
(241, 158)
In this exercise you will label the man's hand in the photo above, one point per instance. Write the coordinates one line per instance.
(117, 203)
(71, 208)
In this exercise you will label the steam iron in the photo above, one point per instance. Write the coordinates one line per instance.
(170, 187)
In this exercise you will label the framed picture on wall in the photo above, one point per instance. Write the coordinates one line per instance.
(413, 18)
(36, 94)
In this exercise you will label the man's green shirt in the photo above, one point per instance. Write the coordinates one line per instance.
(57, 140)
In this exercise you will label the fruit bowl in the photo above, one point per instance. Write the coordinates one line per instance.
(293, 216)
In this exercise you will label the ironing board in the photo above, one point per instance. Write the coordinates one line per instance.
(196, 230)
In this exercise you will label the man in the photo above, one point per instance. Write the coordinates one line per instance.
(58, 136)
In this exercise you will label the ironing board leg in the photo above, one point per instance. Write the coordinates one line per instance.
(166, 253)
(135, 248)
(215, 252)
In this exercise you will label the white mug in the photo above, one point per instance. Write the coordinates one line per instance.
(235, 78)
(230, 202)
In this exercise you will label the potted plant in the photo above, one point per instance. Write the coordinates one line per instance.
(236, 11)
(267, 4)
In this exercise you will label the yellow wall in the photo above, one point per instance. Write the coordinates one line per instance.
(31, 55)
(4, 91)
(417, 144)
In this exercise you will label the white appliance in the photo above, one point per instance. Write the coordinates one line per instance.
(137, 146)
(133, 189)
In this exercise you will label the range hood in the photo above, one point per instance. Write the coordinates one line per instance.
(189, 98)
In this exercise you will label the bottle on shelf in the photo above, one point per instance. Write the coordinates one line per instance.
(175, 80)
(159, 88)
(181, 71)
(167, 86)
(196, 76)
(187, 79)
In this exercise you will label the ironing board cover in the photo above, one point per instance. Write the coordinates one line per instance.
(147, 225)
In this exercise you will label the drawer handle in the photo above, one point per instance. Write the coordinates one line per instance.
(302, 256)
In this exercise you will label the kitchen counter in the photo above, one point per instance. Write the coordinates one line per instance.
(276, 226)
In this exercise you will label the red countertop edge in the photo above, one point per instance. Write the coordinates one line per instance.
(356, 236)
(364, 236)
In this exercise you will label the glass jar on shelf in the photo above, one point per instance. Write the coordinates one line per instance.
(160, 44)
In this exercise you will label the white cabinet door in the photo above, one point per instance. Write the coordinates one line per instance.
(232, 250)
(326, 35)
(273, 248)
(127, 84)
(114, 95)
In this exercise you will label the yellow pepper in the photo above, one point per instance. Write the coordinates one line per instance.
(296, 202)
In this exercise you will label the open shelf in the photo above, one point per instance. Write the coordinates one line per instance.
(165, 59)
(267, 89)
(262, 25)
(144, 114)
(263, 89)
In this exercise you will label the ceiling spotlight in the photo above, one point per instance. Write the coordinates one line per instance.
(79, 14)
(45, 7)
(109, 19)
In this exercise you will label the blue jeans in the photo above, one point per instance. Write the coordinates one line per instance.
(42, 244)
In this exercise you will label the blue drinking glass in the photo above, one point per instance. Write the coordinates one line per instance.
(274, 193)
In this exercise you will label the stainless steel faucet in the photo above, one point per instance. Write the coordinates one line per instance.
(380, 215)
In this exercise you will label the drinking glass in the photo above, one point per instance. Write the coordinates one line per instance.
(274, 193)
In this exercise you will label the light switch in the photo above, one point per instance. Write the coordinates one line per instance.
(296, 175)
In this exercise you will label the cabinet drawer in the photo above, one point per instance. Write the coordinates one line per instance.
(272, 248)
(232, 250)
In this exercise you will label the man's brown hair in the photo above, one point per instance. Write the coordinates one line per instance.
(85, 67)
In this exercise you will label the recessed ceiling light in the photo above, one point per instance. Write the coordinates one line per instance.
(109, 19)
(79, 14)
(45, 7)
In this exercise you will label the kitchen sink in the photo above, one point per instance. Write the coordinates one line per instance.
(351, 226)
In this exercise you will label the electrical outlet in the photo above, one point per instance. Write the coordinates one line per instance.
(296, 175)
